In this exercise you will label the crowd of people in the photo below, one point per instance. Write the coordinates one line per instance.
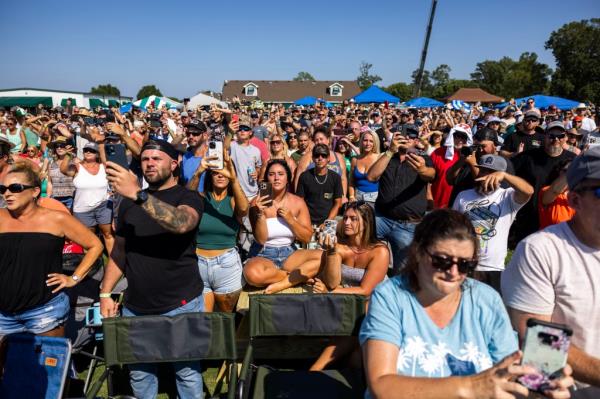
(418, 209)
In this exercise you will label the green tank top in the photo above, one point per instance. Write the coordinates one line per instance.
(218, 227)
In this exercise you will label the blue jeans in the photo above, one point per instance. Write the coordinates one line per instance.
(399, 234)
(142, 376)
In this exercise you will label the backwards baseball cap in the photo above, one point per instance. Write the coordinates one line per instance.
(320, 149)
(486, 134)
(532, 114)
(196, 125)
(585, 166)
(493, 162)
(161, 145)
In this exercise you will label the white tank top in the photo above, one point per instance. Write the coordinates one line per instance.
(90, 190)
(279, 233)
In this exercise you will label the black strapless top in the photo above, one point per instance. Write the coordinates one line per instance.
(26, 259)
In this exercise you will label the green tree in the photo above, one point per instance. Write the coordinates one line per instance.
(426, 83)
(304, 77)
(401, 90)
(148, 90)
(106, 90)
(441, 75)
(509, 78)
(441, 91)
(576, 48)
(365, 79)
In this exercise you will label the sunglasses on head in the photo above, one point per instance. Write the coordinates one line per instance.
(445, 263)
(14, 188)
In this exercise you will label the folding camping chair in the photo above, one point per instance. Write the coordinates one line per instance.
(290, 325)
(162, 339)
(36, 367)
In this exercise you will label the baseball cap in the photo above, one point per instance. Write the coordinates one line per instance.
(91, 146)
(493, 162)
(578, 118)
(161, 145)
(532, 114)
(486, 134)
(555, 125)
(245, 121)
(253, 115)
(5, 141)
(410, 130)
(585, 166)
(320, 149)
(196, 125)
(494, 119)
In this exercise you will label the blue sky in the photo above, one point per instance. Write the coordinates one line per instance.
(187, 46)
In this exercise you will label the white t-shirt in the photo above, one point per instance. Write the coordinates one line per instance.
(491, 215)
(553, 273)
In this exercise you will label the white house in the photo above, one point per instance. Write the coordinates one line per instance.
(30, 97)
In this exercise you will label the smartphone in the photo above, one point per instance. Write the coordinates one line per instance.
(235, 117)
(330, 229)
(545, 348)
(266, 190)
(116, 153)
(215, 149)
(466, 151)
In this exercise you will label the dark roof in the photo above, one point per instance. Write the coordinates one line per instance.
(64, 91)
(472, 95)
(288, 91)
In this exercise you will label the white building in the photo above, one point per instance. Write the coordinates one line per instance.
(30, 97)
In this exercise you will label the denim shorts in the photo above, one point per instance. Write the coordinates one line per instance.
(221, 274)
(102, 214)
(38, 320)
(277, 255)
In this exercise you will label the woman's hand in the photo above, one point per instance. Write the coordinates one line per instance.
(261, 203)
(327, 243)
(286, 214)
(61, 280)
(228, 170)
(500, 380)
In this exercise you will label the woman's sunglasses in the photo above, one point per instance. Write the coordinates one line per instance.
(445, 263)
(14, 188)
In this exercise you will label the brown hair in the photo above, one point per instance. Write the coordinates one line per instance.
(441, 224)
(368, 234)
(32, 177)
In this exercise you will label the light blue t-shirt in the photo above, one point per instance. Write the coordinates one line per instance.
(478, 336)
(189, 164)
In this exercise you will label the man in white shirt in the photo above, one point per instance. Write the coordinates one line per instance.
(586, 123)
(554, 275)
(492, 209)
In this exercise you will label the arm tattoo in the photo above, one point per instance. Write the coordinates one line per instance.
(175, 220)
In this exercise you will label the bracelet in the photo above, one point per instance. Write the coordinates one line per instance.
(104, 295)
(389, 153)
(329, 253)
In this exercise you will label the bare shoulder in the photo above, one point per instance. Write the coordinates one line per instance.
(379, 251)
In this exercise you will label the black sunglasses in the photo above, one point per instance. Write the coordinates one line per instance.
(556, 136)
(444, 263)
(60, 146)
(245, 128)
(317, 156)
(292, 136)
(89, 150)
(193, 133)
(14, 188)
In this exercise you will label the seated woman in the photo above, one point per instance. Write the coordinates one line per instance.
(434, 321)
(276, 223)
(218, 259)
(353, 265)
(31, 246)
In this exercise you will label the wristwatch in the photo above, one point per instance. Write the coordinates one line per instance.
(141, 197)
(75, 277)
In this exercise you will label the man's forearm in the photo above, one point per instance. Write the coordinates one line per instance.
(427, 174)
(169, 217)
(585, 367)
(377, 169)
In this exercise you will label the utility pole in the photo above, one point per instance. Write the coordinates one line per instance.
(417, 89)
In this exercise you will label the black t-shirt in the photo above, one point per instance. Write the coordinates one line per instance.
(532, 141)
(161, 267)
(535, 166)
(319, 197)
(402, 193)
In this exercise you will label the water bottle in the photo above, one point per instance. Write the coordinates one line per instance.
(250, 170)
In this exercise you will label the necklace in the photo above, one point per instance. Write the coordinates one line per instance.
(317, 179)
(220, 202)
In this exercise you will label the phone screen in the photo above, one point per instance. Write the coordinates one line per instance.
(545, 348)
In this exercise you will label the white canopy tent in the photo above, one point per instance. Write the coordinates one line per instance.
(202, 99)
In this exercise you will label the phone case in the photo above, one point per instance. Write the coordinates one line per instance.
(330, 229)
(215, 148)
(546, 348)
(265, 189)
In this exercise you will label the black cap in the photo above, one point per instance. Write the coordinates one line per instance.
(196, 125)
(410, 130)
(320, 149)
(161, 145)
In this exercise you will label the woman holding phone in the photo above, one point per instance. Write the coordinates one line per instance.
(278, 220)
(218, 259)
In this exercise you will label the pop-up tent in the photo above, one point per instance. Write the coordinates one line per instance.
(458, 104)
(308, 100)
(542, 101)
(201, 99)
(158, 102)
(423, 102)
(375, 95)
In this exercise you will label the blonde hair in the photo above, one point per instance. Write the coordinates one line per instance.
(284, 146)
(376, 144)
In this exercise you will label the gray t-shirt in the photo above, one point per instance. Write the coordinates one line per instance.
(246, 157)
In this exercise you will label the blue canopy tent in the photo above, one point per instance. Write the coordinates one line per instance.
(308, 100)
(375, 95)
(125, 108)
(424, 102)
(542, 101)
